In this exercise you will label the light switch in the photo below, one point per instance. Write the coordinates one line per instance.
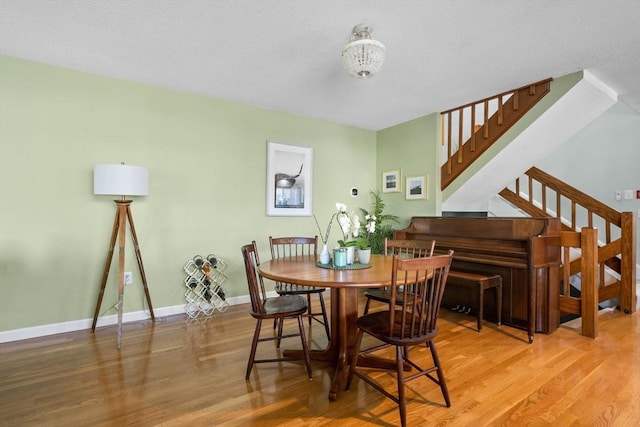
(628, 194)
(618, 195)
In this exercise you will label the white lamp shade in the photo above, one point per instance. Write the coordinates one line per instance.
(121, 180)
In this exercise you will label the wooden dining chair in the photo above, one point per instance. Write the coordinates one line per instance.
(408, 322)
(294, 246)
(404, 249)
(279, 308)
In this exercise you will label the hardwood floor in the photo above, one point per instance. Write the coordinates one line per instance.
(191, 372)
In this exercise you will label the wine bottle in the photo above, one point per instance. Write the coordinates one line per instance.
(212, 260)
(198, 261)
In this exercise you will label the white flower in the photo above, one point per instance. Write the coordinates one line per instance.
(355, 226)
(349, 223)
(345, 223)
(370, 226)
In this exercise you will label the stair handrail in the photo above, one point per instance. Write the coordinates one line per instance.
(617, 254)
(511, 106)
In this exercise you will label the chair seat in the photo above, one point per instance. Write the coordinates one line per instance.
(289, 289)
(377, 325)
(382, 295)
(286, 305)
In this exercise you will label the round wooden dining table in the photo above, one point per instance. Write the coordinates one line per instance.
(344, 285)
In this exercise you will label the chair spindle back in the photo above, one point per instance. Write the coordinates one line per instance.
(409, 248)
(293, 246)
(257, 292)
(417, 287)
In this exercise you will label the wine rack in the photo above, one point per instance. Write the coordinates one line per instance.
(205, 286)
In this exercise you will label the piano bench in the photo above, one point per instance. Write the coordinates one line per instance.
(480, 283)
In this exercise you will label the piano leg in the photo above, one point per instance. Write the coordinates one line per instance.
(531, 304)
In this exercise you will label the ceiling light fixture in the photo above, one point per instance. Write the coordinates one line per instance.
(362, 57)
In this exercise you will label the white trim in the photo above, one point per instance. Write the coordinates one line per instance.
(78, 325)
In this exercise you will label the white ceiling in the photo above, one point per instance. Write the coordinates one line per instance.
(285, 54)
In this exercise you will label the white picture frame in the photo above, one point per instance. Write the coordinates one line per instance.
(391, 181)
(416, 187)
(289, 172)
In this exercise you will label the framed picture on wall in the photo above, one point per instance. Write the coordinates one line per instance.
(391, 181)
(289, 171)
(416, 187)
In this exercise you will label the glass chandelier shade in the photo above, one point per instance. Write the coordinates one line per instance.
(363, 57)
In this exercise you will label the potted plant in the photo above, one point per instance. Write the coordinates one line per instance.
(350, 227)
(364, 248)
(382, 228)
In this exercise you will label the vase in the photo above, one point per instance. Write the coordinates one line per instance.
(351, 254)
(324, 255)
(364, 255)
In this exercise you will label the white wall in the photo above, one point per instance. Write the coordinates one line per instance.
(602, 158)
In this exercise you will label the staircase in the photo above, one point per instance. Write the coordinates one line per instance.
(544, 195)
(486, 166)
(572, 103)
(481, 123)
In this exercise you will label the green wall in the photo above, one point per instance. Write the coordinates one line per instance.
(411, 147)
(207, 165)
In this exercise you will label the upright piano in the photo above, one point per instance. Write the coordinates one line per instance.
(503, 246)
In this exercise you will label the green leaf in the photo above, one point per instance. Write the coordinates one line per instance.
(344, 244)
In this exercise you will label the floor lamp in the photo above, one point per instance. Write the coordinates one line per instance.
(124, 180)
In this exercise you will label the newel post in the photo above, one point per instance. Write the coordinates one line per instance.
(628, 263)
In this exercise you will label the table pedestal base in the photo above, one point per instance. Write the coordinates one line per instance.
(344, 312)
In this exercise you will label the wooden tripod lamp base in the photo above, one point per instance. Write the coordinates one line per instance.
(123, 214)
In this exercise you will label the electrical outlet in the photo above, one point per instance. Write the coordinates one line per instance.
(128, 277)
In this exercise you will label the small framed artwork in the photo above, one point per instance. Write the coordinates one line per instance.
(391, 181)
(288, 179)
(416, 187)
